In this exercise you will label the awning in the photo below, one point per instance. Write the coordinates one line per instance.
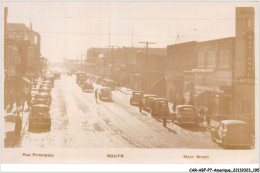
(26, 80)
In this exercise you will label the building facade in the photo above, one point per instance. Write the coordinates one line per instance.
(244, 67)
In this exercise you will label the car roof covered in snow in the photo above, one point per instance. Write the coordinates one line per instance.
(233, 122)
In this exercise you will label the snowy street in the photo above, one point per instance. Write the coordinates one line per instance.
(78, 121)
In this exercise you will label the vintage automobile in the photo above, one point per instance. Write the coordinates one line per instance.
(232, 133)
(56, 75)
(39, 101)
(81, 77)
(45, 96)
(148, 99)
(187, 114)
(48, 82)
(105, 93)
(98, 81)
(135, 98)
(159, 107)
(87, 86)
(44, 90)
(109, 83)
(39, 117)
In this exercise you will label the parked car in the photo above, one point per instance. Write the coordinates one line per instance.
(40, 101)
(39, 117)
(135, 98)
(187, 114)
(159, 107)
(44, 96)
(231, 133)
(48, 82)
(105, 93)
(45, 86)
(44, 90)
(109, 83)
(148, 99)
(57, 75)
(87, 86)
(81, 77)
(98, 81)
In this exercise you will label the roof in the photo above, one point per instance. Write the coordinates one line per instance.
(40, 106)
(160, 99)
(233, 122)
(185, 106)
(17, 27)
(43, 94)
(105, 88)
(149, 95)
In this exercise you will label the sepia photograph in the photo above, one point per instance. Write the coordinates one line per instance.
(129, 82)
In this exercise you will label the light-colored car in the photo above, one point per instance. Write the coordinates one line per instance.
(232, 133)
(105, 93)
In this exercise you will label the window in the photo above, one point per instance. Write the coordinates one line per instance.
(211, 59)
(201, 59)
(224, 56)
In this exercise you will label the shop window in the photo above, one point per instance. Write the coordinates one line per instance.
(201, 59)
(224, 56)
(211, 59)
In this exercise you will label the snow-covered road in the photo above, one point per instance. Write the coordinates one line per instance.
(79, 122)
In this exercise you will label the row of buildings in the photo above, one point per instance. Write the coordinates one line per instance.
(217, 74)
(22, 50)
(22, 59)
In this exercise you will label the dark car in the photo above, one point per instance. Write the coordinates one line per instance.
(44, 96)
(148, 99)
(81, 77)
(159, 107)
(44, 90)
(136, 97)
(187, 114)
(39, 117)
(109, 83)
(232, 133)
(40, 101)
(105, 93)
(87, 86)
(98, 81)
(48, 82)
(57, 75)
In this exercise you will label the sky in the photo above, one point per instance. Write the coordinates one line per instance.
(68, 29)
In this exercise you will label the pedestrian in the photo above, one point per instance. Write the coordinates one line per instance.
(163, 114)
(18, 125)
(141, 104)
(96, 94)
(29, 98)
(174, 106)
(208, 116)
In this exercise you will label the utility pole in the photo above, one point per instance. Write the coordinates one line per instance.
(145, 61)
(112, 60)
(109, 30)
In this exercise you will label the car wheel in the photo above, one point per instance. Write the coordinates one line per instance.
(224, 143)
